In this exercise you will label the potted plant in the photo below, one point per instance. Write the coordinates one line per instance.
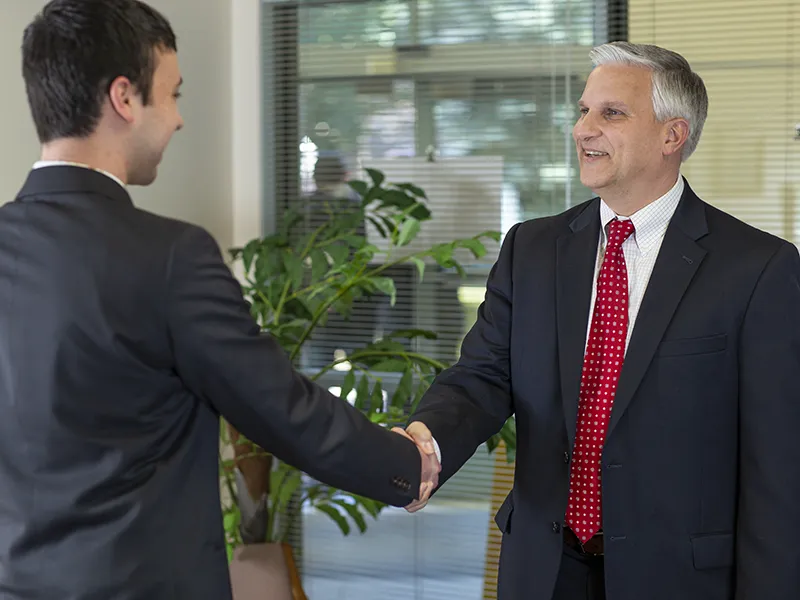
(294, 280)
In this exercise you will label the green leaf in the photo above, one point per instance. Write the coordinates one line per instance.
(410, 187)
(391, 365)
(420, 266)
(355, 241)
(373, 194)
(378, 418)
(420, 212)
(509, 433)
(495, 235)
(299, 308)
(376, 402)
(354, 513)
(269, 262)
(249, 253)
(376, 176)
(378, 226)
(409, 231)
(290, 219)
(398, 199)
(231, 520)
(348, 384)
(511, 455)
(386, 286)
(362, 393)
(360, 187)
(373, 507)
(443, 254)
(366, 252)
(390, 225)
(338, 253)
(475, 246)
(294, 268)
(289, 486)
(404, 389)
(336, 516)
(319, 264)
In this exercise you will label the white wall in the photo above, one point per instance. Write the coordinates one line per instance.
(196, 178)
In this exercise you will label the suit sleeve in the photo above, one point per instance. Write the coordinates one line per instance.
(768, 528)
(224, 359)
(470, 401)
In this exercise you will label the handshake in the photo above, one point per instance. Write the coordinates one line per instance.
(419, 434)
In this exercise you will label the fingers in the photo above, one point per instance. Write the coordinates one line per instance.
(421, 436)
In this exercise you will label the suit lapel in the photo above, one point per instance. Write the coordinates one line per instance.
(678, 260)
(576, 255)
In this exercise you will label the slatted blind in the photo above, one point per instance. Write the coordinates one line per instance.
(474, 101)
(748, 53)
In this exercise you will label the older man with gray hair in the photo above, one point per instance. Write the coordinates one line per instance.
(649, 346)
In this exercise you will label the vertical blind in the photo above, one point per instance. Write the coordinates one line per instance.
(474, 101)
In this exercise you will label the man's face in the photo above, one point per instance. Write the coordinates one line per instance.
(619, 141)
(156, 121)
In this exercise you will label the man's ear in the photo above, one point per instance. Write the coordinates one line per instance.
(122, 95)
(677, 133)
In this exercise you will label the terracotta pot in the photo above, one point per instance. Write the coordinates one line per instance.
(265, 572)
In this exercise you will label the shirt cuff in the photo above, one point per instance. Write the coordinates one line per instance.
(437, 450)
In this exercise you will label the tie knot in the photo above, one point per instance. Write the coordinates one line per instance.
(619, 231)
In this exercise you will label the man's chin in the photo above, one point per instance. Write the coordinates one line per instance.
(593, 182)
(144, 179)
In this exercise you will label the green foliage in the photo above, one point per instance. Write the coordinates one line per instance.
(293, 279)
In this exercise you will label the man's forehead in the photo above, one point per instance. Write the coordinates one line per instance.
(616, 83)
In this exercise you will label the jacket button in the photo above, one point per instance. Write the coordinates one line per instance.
(556, 527)
(566, 457)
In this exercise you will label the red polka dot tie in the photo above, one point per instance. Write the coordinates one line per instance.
(602, 364)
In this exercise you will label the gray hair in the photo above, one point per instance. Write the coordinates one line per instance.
(677, 90)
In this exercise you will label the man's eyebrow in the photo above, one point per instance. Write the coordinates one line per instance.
(609, 104)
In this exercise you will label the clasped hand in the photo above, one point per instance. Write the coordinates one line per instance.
(419, 434)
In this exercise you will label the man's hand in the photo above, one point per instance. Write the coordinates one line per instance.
(419, 434)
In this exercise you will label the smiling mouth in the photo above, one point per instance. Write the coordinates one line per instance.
(594, 154)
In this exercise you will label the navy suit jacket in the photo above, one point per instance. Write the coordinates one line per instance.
(701, 467)
(123, 338)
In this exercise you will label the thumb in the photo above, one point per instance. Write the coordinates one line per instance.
(422, 435)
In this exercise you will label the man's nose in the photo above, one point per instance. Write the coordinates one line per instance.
(586, 128)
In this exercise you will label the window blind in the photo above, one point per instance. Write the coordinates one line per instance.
(748, 54)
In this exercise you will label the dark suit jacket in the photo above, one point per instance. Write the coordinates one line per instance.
(701, 467)
(123, 338)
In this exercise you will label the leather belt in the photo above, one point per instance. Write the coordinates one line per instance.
(593, 547)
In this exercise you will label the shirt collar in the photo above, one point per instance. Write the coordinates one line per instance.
(61, 163)
(650, 223)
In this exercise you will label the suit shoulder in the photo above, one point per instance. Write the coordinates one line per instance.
(173, 231)
(740, 235)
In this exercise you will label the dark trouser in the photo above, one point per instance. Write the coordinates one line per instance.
(580, 577)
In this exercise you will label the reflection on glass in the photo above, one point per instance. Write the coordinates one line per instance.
(353, 25)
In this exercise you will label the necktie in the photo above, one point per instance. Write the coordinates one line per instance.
(602, 364)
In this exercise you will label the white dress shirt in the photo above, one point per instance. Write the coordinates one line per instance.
(640, 249)
(39, 164)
